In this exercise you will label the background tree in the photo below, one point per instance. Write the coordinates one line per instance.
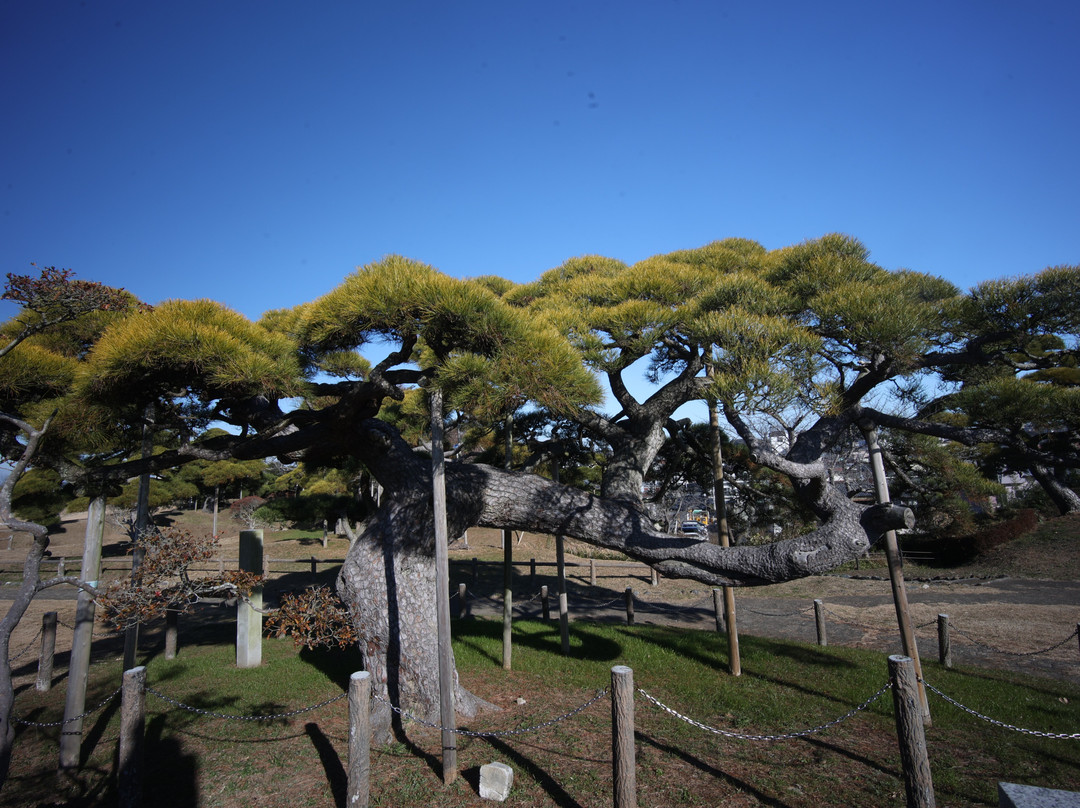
(40, 350)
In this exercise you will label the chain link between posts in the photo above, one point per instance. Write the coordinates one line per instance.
(29, 645)
(779, 737)
(1075, 736)
(61, 723)
(495, 733)
(234, 717)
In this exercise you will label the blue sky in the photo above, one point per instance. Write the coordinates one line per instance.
(257, 152)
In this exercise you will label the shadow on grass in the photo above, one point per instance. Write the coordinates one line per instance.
(557, 793)
(331, 763)
(485, 637)
(710, 770)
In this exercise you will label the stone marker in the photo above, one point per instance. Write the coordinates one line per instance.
(495, 781)
(1011, 795)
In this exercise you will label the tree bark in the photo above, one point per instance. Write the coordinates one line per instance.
(388, 578)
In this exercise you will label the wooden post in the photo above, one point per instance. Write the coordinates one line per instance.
(544, 602)
(532, 573)
(723, 534)
(172, 619)
(819, 619)
(60, 567)
(629, 606)
(909, 730)
(132, 727)
(447, 715)
(508, 558)
(314, 569)
(655, 578)
(560, 571)
(718, 608)
(48, 652)
(82, 637)
(248, 616)
(359, 777)
(592, 572)
(895, 562)
(475, 570)
(944, 643)
(463, 604)
(624, 776)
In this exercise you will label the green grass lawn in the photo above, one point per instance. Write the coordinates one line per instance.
(299, 760)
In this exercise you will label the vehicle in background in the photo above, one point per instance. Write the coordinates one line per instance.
(691, 529)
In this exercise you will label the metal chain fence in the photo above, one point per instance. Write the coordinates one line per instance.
(495, 733)
(778, 737)
(1075, 736)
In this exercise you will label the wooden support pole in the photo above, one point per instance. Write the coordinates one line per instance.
(172, 619)
(944, 643)
(359, 777)
(592, 572)
(718, 608)
(463, 603)
(82, 638)
(248, 616)
(544, 604)
(624, 776)
(560, 571)
(895, 562)
(655, 578)
(819, 619)
(48, 652)
(447, 715)
(132, 729)
(914, 760)
(532, 574)
(629, 606)
(508, 557)
(314, 569)
(723, 532)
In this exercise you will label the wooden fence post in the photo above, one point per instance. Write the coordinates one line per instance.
(545, 605)
(624, 776)
(629, 606)
(81, 638)
(592, 572)
(248, 618)
(655, 578)
(172, 620)
(132, 726)
(314, 569)
(819, 619)
(718, 608)
(944, 644)
(463, 603)
(359, 777)
(909, 731)
(532, 573)
(60, 567)
(48, 652)
(475, 570)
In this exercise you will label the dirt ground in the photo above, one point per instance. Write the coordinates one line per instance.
(1021, 624)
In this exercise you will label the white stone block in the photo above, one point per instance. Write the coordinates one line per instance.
(495, 781)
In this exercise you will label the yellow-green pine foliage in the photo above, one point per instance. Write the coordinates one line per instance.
(195, 347)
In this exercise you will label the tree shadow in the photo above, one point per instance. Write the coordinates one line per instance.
(336, 775)
(558, 794)
(481, 634)
(171, 777)
(711, 770)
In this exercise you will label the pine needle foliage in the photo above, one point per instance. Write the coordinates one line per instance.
(189, 347)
